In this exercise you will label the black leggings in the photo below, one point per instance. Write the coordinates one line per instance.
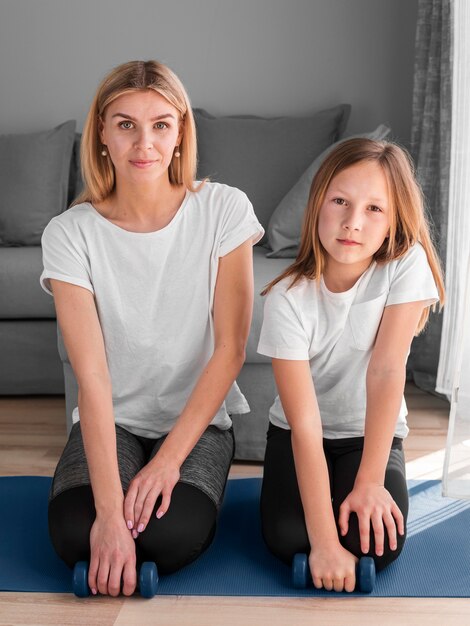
(282, 514)
(175, 540)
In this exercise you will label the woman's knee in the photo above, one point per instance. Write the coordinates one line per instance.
(183, 533)
(71, 515)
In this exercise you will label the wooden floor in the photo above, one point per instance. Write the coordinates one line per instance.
(32, 435)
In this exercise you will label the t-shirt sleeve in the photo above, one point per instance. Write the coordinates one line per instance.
(282, 334)
(413, 280)
(63, 258)
(240, 223)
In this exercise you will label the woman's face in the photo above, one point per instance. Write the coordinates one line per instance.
(354, 218)
(140, 131)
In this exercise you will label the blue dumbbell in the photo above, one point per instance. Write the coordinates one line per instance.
(147, 580)
(365, 573)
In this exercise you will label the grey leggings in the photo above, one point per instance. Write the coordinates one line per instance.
(180, 535)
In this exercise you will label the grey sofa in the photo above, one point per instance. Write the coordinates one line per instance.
(37, 181)
(273, 161)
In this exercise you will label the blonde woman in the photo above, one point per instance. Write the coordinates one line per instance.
(338, 324)
(151, 274)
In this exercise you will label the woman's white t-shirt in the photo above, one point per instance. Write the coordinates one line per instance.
(154, 294)
(336, 333)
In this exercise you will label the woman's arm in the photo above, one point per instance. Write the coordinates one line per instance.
(385, 383)
(233, 307)
(331, 565)
(81, 330)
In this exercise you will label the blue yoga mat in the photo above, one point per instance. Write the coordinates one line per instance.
(434, 563)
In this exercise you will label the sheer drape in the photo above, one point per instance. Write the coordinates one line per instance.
(456, 476)
(454, 364)
(458, 229)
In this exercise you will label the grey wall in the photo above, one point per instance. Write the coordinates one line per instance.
(265, 57)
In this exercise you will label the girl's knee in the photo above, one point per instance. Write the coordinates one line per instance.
(381, 562)
(285, 536)
(351, 541)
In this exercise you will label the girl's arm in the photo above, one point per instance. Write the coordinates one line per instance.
(112, 547)
(385, 382)
(331, 565)
(233, 307)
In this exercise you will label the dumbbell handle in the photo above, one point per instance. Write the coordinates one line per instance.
(365, 573)
(147, 579)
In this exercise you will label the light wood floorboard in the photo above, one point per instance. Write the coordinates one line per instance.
(32, 435)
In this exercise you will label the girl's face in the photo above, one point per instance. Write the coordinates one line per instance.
(141, 131)
(354, 217)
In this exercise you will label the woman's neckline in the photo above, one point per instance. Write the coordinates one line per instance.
(150, 233)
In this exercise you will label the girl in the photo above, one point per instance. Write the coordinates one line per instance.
(338, 324)
(151, 274)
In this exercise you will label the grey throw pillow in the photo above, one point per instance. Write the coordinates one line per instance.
(264, 156)
(286, 222)
(75, 175)
(34, 178)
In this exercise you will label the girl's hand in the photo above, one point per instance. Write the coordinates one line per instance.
(374, 505)
(112, 556)
(333, 567)
(154, 479)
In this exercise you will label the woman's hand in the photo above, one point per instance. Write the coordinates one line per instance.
(374, 505)
(112, 556)
(333, 567)
(154, 479)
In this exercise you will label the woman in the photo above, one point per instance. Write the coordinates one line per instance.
(152, 280)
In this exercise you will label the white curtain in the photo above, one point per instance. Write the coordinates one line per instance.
(456, 475)
(453, 376)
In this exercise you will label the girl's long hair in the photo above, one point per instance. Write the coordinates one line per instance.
(97, 171)
(408, 226)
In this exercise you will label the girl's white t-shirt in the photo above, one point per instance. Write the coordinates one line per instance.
(154, 294)
(336, 332)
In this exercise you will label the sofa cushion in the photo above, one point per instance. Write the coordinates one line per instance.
(34, 177)
(264, 156)
(75, 176)
(264, 271)
(284, 227)
(22, 296)
(30, 362)
(20, 269)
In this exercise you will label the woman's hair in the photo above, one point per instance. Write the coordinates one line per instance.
(98, 171)
(408, 220)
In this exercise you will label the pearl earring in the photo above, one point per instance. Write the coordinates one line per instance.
(177, 153)
(104, 152)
